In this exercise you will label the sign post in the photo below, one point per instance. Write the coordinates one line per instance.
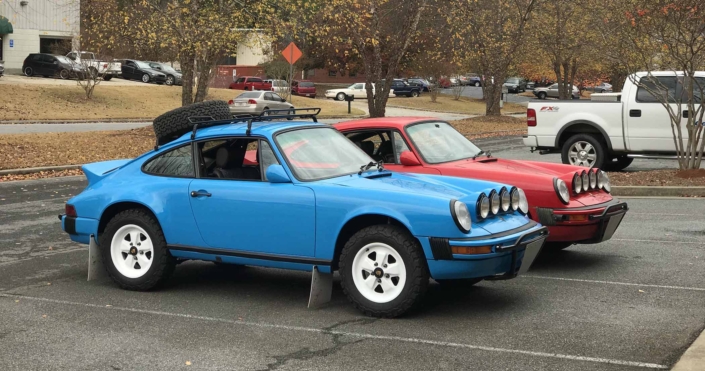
(292, 54)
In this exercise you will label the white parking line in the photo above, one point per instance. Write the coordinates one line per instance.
(616, 283)
(351, 334)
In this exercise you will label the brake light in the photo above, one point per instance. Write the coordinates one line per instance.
(230, 102)
(251, 101)
(105, 65)
(530, 117)
(70, 210)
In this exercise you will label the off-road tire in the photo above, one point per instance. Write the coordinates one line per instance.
(175, 123)
(541, 95)
(600, 152)
(459, 283)
(618, 163)
(162, 262)
(414, 260)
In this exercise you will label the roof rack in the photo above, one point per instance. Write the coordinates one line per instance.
(267, 115)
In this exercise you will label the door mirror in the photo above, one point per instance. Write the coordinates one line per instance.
(282, 100)
(276, 174)
(409, 159)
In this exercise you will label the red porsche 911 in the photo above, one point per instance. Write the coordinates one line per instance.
(573, 202)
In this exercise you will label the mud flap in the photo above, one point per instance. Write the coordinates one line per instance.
(95, 268)
(321, 288)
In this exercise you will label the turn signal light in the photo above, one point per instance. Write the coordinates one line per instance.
(577, 218)
(470, 250)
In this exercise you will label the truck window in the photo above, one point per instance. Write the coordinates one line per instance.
(254, 79)
(651, 87)
(240, 80)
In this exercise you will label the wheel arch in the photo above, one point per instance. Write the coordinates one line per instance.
(582, 127)
(359, 222)
(119, 207)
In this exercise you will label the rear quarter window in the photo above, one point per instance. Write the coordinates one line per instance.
(175, 163)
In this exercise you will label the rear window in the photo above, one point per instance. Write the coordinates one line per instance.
(250, 94)
(254, 79)
(306, 84)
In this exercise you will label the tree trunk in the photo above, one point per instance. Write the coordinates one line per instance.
(187, 65)
(207, 67)
(494, 96)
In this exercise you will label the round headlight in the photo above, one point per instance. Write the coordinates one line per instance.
(577, 183)
(562, 190)
(593, 179)
(515, 199)
(506, 200)
(461, 215)
(494, 202)
(483, 206)
(586, 181)
(606, 182)
(523, 202)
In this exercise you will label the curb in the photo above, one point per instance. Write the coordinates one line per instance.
(646, 191)
(694, 357)
(31, 170)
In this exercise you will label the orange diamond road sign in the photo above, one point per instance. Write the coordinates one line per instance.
(291, 53)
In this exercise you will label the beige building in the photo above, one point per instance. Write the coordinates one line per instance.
(32, 26)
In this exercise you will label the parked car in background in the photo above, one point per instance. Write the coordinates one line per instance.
(552, 92)
(173, 77)
(530, 85)
(610, 134)
(515, 85)
(105, 70)
(51, 65)
(444, 83)
(2, 68)
(417, 81)
(357, 90)
(256, 102)
(250, 83)
(401, 88)
(304, 88)
(574, 204)
(601, 88)
(278, 86)
(474, 80)
(142, 71)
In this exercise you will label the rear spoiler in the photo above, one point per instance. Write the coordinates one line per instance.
(97, 170)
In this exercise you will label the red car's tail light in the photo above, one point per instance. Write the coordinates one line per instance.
(230, 102)
(251, 101)
(531, 117)
(70, 210)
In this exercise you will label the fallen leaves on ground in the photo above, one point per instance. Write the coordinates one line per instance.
(662, 178)
(490, 126)
(446, 103)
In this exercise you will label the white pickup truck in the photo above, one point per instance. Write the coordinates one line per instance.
(611, 129)
(106, 70)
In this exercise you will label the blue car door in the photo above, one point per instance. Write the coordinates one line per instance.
(236, 208)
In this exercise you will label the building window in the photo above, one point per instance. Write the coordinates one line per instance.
(332, 73)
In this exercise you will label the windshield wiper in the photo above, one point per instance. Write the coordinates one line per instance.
(488, 153)
(379, 164)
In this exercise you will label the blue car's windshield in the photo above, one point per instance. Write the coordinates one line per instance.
(319, 153)
(439, 142)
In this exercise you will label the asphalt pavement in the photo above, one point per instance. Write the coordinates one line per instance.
(634, 302)
(476, 92)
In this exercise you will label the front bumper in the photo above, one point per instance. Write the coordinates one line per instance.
(511, 255)
(585, 225)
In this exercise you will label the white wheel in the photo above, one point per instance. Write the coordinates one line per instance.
(132, 251)
(582, 154)
(379, 272)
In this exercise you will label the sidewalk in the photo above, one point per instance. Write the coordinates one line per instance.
(694, 358)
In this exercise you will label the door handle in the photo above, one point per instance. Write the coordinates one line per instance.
(634, 113)
(200, 194)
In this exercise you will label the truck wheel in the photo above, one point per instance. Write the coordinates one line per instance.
(175, 123)
(107, 77)
(383, 271)
(134, 251)
(583, 150)
(415, 93)
(619, 163)
(541, 95)
(340, 96)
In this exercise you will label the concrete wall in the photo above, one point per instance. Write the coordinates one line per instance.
(37, 19)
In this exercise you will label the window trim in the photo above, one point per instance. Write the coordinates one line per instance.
(258, 138)
(193, 163)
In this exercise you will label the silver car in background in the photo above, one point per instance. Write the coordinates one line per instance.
(552, 92)
(256, 102)
(2, 68)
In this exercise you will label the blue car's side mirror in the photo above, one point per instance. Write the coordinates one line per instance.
(276, 174)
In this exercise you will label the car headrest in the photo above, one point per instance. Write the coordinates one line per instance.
(222, 157)
(368, 147)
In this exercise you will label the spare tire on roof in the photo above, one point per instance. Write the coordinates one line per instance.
(175, 123)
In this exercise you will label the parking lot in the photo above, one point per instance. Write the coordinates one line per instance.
(635, 302)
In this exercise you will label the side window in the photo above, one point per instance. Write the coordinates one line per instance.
(255, 80)
(234, 159)
(399, 146)
(651, 87)
(72, 56)
(268, 96)
(358, 86)
(36, 57)
(267, 157)
(177, 163)
(240, 80)
(276, 97)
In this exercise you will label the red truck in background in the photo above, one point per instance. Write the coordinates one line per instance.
(304, 88)
(250, 83)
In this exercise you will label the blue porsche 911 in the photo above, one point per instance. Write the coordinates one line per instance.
(295, 195)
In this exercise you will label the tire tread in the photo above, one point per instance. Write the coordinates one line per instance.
(175, 123)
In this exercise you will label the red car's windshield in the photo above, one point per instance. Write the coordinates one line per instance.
(439, 142)
(319, 153)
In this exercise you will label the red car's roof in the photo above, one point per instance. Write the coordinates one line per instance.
(387, 122)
